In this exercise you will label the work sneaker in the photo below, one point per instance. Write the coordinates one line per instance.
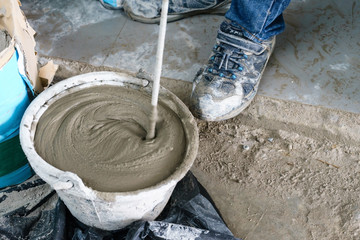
(112, 4)
(228, 83)
(149, 11)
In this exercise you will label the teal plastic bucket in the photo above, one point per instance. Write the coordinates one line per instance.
(15, 96)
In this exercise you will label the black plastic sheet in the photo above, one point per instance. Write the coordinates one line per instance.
(32, 210)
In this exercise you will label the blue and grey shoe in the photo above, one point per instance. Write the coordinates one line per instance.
(112, 4)
(230, 80)
(149, 11)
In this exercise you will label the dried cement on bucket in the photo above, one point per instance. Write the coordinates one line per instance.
(99, 134)
(4, 40)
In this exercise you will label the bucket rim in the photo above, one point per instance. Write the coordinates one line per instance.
(38, 106)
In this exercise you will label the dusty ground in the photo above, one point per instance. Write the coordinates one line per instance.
(280, 170)
(278, 184)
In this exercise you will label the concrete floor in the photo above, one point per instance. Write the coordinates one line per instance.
(316, 60)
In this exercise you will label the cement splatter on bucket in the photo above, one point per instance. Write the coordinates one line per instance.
(107, 209)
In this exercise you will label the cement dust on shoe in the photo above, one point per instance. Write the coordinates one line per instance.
(98, 133)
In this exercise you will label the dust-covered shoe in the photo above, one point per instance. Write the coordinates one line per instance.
(228, 83)
(112, 4)
(149, 11)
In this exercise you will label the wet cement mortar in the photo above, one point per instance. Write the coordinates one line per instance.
(279, 170)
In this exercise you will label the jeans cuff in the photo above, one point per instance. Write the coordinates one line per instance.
(247, 34)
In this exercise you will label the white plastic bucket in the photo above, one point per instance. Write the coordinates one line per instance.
(106, 210)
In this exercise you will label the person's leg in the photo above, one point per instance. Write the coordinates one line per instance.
(244, 43)
(260, 19)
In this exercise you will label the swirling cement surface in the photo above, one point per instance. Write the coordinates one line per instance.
(98, 133)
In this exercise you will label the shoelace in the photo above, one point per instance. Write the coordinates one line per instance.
(231, 61)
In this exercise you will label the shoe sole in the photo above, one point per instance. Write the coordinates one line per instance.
(220, 9)
(239, 110)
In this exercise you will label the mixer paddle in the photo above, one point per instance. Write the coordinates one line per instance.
(158, 65)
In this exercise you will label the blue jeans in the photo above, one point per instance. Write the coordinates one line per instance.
(260, 19)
